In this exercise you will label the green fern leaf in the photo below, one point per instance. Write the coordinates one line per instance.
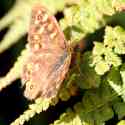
(14, 72)
(39, 106)
(119, 108)
(115, 38)
(87, 77)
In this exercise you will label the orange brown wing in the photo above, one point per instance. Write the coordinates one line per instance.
(49, 57)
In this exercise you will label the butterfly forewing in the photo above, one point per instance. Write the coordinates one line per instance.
(45, 32)
(49, 56)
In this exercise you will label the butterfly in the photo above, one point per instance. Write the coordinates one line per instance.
(48, 57)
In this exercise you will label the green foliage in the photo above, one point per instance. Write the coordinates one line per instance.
(119, 107)
(13, 74)
(84, 18)
(86, 76)
(40, 105)
(122, 122)
(108, 53)
(97, 76)
(93, 109)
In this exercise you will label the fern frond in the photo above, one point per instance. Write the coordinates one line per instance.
(86, 17)
(115, 39)
(16, 31)
(68, 118)
(14, 72)
(39, 106)
(107, 54)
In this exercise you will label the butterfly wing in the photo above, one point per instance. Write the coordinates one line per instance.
(49, 57)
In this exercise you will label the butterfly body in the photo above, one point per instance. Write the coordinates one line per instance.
(49, 57)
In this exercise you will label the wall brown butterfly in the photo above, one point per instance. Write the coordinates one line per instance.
(49, 57)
